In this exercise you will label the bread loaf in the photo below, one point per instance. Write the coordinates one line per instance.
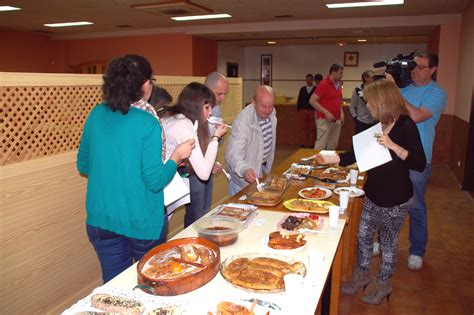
(117, 304)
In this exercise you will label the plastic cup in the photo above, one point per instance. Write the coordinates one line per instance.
(353, 177)
(344, 199)
(333, 216)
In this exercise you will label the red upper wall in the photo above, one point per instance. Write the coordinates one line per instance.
(168, 54)
(25, 52)
(204, 56)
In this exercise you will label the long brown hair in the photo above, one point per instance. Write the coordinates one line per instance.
(385, 101)
(190, 103)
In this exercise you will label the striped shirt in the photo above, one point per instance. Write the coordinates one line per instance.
(266, 127)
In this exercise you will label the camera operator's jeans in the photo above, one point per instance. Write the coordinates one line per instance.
(117, 252)
(418, 233)
(327, 134)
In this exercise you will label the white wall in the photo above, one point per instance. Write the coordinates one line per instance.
(230, 53)
(294, 62)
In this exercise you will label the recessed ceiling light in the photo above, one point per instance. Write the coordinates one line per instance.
(363, 4)
(8, 8)
(271, 42)
(66, 24)
(341, 44)
(362, 40)
(201, 17)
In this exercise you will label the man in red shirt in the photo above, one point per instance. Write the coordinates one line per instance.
(327, 100)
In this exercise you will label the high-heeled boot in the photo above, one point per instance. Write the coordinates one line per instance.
(359, 279)
(382, 289)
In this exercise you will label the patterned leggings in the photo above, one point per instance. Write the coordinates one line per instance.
(389, 222)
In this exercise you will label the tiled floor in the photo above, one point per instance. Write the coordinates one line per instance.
(445, 285)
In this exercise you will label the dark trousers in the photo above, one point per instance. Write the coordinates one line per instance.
(201, 198)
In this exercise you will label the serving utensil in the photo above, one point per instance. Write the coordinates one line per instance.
(325, 180)
(259, 185)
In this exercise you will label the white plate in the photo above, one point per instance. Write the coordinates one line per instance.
(353, 191)
(281, 251)
(327, 191)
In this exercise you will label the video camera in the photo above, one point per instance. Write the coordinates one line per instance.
(399, 67)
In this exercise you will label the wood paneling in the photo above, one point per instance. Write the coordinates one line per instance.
(288, 129)
(460, 132)
(46, 258)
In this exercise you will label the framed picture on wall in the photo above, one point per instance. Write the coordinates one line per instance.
(266, 75)
(232, 70)
(351, 59)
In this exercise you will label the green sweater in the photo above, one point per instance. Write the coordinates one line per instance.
(121, 156)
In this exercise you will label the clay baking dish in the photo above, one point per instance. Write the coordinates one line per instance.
(186, 283)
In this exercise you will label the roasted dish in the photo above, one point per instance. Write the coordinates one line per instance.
(296, 171)
(116, 304)
(178, 262)
(314, 193)
(229, 308)
(304, 205)
(265, 194)
(276, 183)
(261, 274)
(234, 212)
(333, 173)
(277, 240)
(295, 223)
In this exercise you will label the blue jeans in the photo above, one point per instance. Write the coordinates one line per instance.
(117, 252)
(201, 198)
(418, 233)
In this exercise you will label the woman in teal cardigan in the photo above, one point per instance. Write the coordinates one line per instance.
(121, 154)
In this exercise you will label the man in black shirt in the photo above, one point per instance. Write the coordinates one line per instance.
(306, 114)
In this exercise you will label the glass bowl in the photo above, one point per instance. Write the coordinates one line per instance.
(222, 230)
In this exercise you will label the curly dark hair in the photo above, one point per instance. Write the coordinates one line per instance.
(123, 81)
(190, 103)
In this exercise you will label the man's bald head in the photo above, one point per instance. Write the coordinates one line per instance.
(264, 101)
(217, 82)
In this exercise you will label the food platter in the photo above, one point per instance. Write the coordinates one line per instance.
(178, 266)
(280, 251)
(296, 171)
(305, 205)
(262, 273)
(338, 174)
(304, 223)
(234, 305)
(353, 191)
(315, 193)
(268, 198)
(242, 212)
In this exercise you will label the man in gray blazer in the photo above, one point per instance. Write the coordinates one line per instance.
(252, 144)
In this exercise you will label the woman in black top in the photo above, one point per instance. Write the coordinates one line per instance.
(388, 188)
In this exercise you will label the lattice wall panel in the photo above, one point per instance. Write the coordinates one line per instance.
(39, 121)
(42, 121)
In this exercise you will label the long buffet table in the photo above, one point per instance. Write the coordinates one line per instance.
(334, 249)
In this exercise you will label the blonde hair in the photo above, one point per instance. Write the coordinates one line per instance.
(386, 102)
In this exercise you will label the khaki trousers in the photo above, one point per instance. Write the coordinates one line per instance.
(327, 134)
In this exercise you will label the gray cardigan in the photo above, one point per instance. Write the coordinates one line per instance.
(245, 149)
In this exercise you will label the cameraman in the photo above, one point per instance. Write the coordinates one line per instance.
(425, 101)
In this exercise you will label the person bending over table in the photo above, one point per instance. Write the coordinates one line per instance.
(388, 190)
(120, 153)
(194, 104)
(252, 144)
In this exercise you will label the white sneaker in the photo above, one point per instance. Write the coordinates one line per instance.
(415, 262)
(376, 250)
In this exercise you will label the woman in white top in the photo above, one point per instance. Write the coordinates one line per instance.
(194, 103)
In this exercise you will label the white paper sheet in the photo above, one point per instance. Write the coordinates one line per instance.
(180, 202)
(368, 152)
(176, 190)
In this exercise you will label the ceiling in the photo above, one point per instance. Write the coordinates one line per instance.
(253, 22)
